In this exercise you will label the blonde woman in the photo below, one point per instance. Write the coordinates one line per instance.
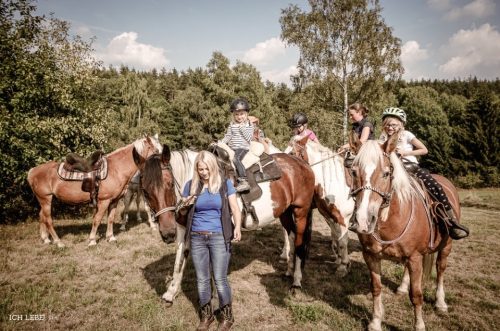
(210, 231)
(409, 147)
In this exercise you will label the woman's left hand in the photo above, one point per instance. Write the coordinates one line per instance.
(237, 233)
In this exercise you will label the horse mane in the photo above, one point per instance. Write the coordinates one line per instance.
(182, 163)
(317, 147)
(152, 174)
(371, 153)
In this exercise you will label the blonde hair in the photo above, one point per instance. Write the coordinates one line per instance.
(387, 119)
(214, 180)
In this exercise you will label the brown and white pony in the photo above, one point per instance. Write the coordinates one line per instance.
(288, 198)
(394, 224)
(46, 184)
(332, 193)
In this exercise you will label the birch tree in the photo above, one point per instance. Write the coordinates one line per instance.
(345, 43)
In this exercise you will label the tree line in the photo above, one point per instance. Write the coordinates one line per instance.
(55, 98)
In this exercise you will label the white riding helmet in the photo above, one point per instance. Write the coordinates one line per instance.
(396, 112)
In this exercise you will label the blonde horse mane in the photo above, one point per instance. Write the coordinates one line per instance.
(371, 153)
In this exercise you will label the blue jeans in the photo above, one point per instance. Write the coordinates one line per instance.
(239, 154)
(211, 251)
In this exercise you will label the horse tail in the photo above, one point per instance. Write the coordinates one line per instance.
(428, 263)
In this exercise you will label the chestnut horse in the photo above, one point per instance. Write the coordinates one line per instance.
(288, 198)
(46, 184)
(395, 223)
(331, 193)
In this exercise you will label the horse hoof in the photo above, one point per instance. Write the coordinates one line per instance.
(60, 245)
(123, 228)
(46, 241)
(154, 227)
(167, 299)
(92, 243)
(112, 239)
(295, 289)
(341, 271)
(401, 292)
(442, 309)
(374, 327)
(168, 304)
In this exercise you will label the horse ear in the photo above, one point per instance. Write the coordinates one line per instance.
(156, 137)
(165, 155)
(390, 145)
(303, 141)
(354, 142)
(138, 159)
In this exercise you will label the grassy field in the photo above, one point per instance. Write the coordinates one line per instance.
(117, 286)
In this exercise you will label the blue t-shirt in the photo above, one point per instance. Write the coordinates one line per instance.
(208, 208)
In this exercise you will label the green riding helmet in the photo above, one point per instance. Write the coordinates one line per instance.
(396, 112)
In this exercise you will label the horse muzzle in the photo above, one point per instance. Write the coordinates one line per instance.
(167, 237)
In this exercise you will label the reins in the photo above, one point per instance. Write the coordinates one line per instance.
(386, 196)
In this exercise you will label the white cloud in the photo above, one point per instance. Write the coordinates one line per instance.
(439, 4)
(280, 76)
(474, 9)
(413, 58)
(264, 52)
(411, 52)
(473, 52)
(125, 49)
(83, 30)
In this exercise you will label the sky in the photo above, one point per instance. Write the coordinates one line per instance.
(441, 39)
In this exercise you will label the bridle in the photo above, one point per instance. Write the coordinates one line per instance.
(166, 209)
(386, 196)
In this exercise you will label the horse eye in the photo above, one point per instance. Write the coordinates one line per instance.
(386, 174)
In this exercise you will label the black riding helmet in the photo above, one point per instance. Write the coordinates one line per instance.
(239, 104)
(298, 119)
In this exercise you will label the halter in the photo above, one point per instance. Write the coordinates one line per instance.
(386, 196)
(166, 209)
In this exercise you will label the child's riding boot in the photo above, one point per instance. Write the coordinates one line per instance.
(226, 313)
(242, 185)
(456, 230)
(206, 317)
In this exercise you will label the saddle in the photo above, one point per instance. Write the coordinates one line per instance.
(75, 162)
(90, 171)
(260, 167)
(436, 214)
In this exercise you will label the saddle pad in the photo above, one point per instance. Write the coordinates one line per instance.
(64, 174)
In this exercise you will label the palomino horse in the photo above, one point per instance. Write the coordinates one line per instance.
(134, 191)
(46, 184)
(395, 223)
(288, 198)
(331, 196)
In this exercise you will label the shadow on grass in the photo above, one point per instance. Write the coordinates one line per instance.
(85, 223)
(158, 275)
(319, 281)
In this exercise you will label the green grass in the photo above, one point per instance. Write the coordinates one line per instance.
(487, 198)
(118, 286)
